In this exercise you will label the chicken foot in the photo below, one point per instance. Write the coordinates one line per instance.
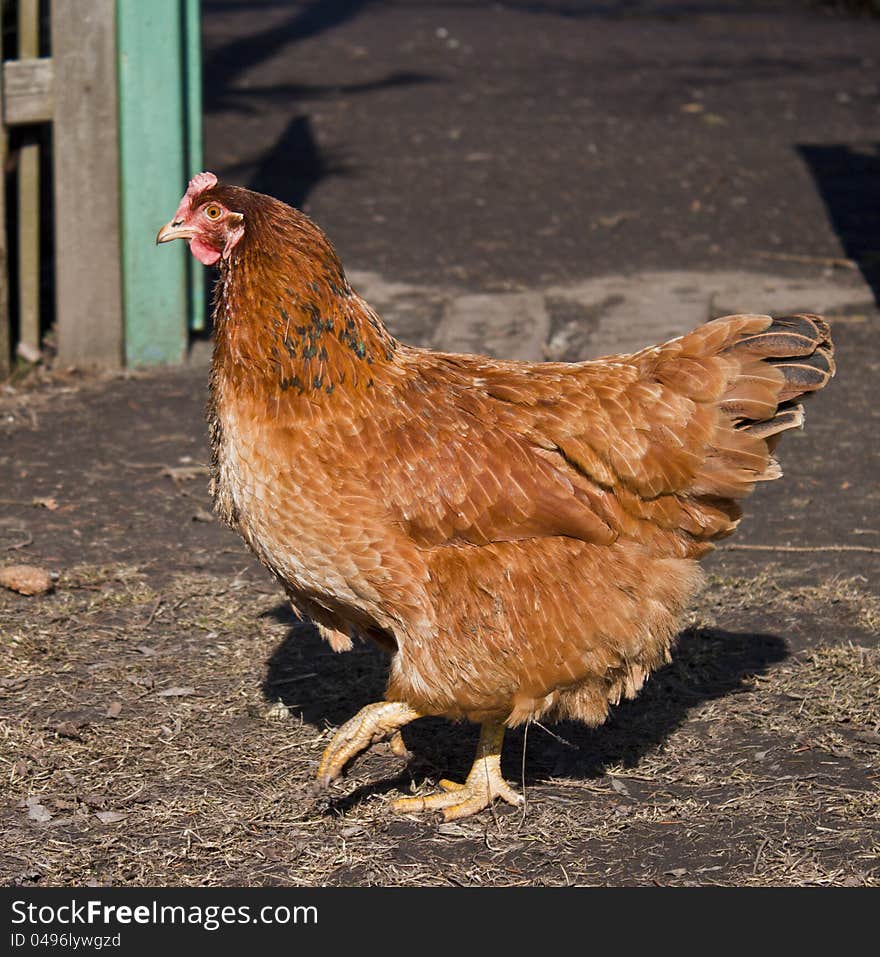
(483, 785)
(371, 724)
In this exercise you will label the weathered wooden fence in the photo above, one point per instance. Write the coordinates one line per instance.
(122, 91)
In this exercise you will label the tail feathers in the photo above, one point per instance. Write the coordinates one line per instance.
(785, 419)
(752, 372)
(772, 365)
(805, 373)
(791, 358)
(787, 336)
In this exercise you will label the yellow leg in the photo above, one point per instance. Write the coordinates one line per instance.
(483, 785)
(371, 724)
(398, 745)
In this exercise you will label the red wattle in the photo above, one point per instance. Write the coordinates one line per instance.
(205, 254)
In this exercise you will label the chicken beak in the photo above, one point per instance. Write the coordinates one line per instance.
(174, 230)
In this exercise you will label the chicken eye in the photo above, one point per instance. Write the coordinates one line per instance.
(212, 212)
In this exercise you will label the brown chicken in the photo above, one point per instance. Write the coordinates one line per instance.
(521, 538)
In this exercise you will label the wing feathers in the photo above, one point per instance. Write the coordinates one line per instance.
(656, 446)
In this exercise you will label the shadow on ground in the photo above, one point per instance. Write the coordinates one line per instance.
(848, 179)
(327, 689)
(223, 66)
(294, 164)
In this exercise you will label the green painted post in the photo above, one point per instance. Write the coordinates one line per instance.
(158, 152)
(193, 68)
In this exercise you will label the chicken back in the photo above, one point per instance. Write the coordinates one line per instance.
(520, 537)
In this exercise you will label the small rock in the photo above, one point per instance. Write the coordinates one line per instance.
(48, 503)
(277, 711)
(29, 353)
(37, 812)
(26, 579)
(66, 729)
(620, 787)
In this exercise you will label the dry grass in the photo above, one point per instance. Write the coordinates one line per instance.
(168, 734)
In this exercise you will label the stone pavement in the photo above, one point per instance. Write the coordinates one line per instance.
(598, 316)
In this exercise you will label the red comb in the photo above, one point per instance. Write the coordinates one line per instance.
(198, 184)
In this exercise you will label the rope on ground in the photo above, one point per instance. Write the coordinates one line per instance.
(798, 548)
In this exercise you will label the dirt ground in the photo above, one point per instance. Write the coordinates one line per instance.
(162, 713)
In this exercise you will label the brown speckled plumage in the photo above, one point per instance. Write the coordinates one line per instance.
(521, 538)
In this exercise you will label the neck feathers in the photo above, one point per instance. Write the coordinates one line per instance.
(286, 319)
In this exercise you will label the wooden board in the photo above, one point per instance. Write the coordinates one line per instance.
(87, 221)
(28, 89)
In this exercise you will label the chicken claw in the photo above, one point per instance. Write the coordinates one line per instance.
(398, 745)
(370, 725)
(483, 785)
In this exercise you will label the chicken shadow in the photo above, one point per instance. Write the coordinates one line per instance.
(326, 689)
(295, 164)
(292, 164)
(848, 179)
